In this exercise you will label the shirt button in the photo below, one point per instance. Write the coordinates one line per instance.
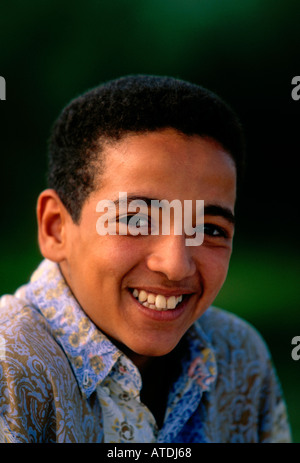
(86, 378)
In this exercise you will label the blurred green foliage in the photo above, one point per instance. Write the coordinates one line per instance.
(246, 51)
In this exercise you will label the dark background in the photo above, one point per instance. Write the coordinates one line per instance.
(246, 51)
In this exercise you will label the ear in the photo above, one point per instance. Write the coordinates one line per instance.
(52, 217)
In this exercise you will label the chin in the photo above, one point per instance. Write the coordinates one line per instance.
(152, 349)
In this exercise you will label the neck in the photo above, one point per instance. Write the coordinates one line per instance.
(142, 362)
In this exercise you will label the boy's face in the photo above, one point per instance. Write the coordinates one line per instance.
(103, 271)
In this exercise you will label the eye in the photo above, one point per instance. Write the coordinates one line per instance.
(135, 224)
(138, 221)
(215, 231)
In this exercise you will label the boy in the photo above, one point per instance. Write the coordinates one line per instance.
(115, 338)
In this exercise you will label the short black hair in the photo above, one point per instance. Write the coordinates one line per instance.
(132, 104)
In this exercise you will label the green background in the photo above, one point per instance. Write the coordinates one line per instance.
(246, 51)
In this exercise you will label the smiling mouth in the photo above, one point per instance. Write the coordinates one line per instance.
(158, 302)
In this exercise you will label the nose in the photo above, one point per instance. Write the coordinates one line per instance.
(170, 256)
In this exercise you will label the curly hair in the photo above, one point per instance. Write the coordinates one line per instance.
(131, 104)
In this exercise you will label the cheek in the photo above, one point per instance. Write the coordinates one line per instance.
(117, 255)
(214, 267)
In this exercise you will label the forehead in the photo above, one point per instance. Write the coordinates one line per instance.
(168, 164)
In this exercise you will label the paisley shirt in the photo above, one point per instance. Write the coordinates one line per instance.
(62, 380)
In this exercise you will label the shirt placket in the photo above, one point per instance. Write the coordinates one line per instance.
(125, 418)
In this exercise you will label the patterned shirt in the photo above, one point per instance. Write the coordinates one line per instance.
(63, 380)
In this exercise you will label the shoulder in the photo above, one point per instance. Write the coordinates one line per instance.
(232, 336)
(27, 342)
(33, 368)
(30, 358)
(24, 331)
(247, 378)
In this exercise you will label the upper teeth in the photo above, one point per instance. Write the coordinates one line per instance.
(156, 301)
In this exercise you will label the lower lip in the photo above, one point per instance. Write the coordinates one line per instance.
(162, 315)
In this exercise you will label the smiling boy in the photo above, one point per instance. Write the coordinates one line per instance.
(115, 338)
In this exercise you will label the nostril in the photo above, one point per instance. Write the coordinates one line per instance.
(173, 263)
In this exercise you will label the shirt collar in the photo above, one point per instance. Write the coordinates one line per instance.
(91, 354)
(202, 364)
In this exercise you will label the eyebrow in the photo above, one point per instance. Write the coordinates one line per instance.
(216, 210)
(210, 209)
(123, 201)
